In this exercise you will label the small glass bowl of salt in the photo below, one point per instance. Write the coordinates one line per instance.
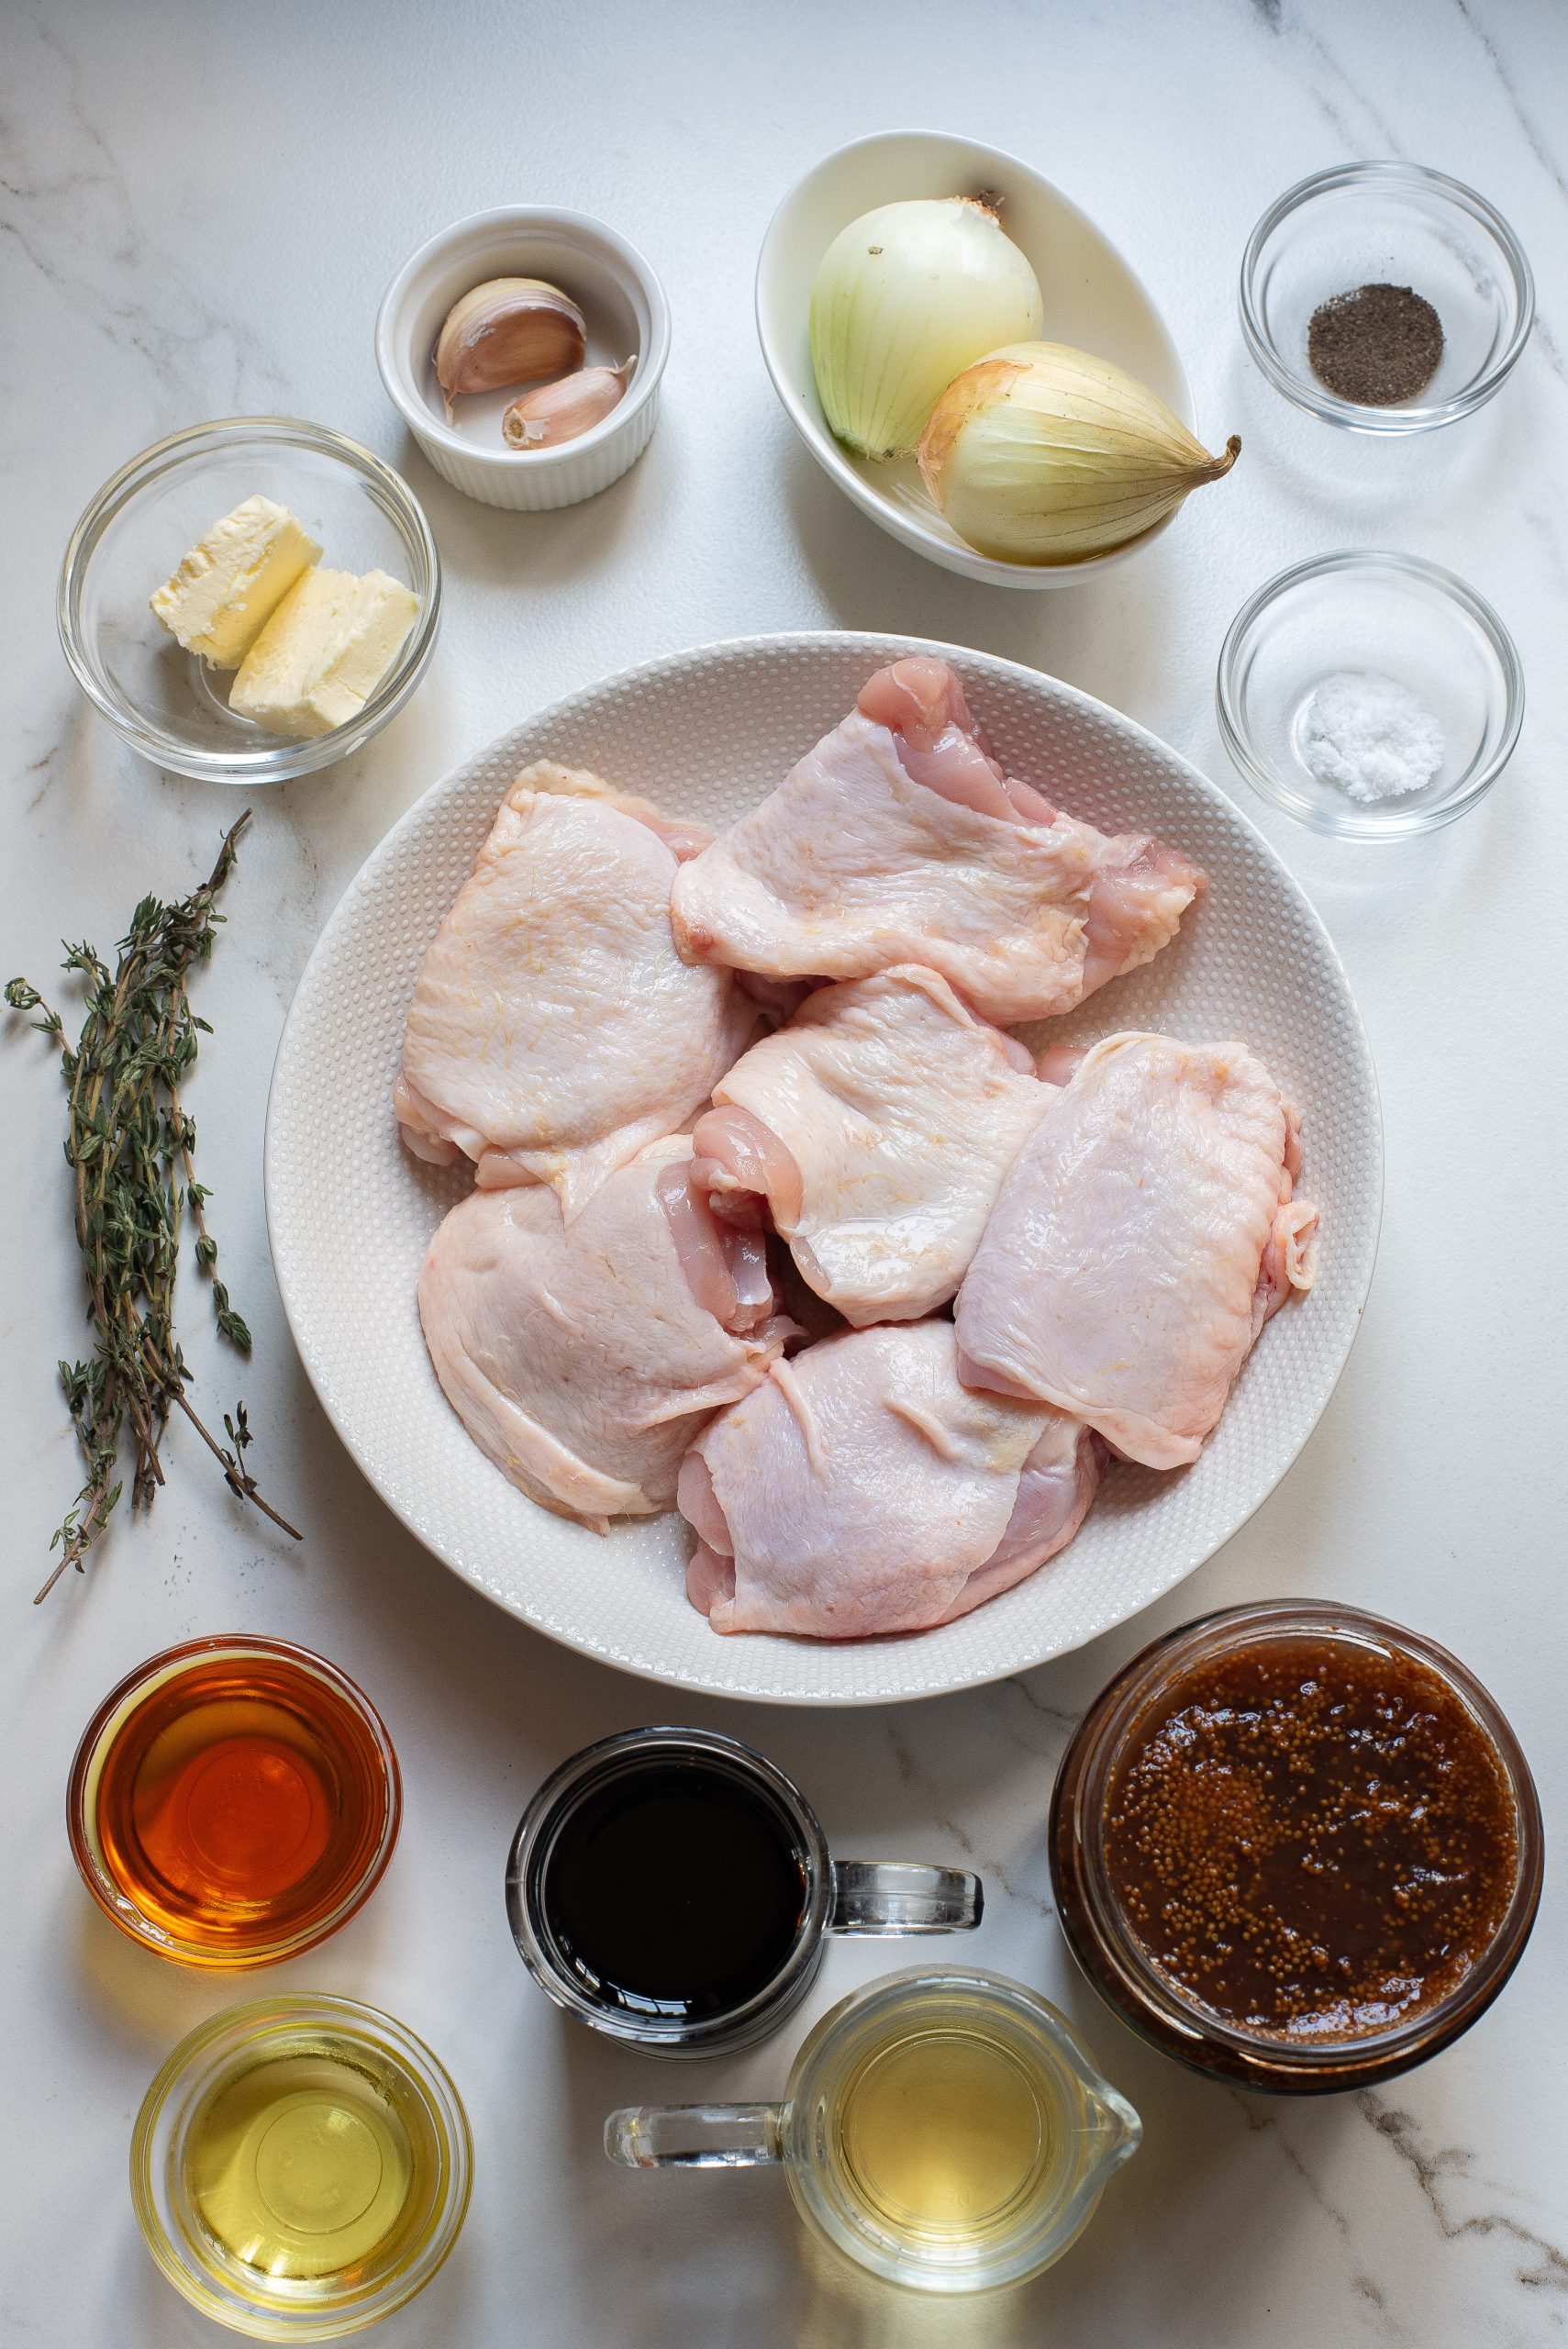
(1373, 696)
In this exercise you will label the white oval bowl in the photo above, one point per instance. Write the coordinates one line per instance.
(1093, 300)
(620, 298)
(706, 734)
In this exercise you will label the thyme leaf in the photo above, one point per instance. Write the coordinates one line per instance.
(130, 1144)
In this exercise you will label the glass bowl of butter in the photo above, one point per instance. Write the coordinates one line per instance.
(250, 600)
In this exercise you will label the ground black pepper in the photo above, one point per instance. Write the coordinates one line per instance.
(1378, 346)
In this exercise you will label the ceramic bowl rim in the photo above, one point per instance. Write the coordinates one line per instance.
(875, 646)
(521, 219)
(966, 560)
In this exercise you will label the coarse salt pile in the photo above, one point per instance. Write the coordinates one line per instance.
(1369, 735)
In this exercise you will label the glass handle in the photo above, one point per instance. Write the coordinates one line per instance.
(696, 2136)
(903, 1896)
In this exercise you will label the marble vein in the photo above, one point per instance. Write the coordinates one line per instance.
(78, 229)
(1297, 29)
(1261, 2119)
(1534, 135)
(991, 1869)
(1434, 2171)
(146, 284)
(1536, 140)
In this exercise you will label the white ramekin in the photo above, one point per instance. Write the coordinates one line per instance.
(626, 309)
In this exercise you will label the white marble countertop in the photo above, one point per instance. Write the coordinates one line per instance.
(200, 208)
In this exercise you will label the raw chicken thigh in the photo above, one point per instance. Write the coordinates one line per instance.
(900, 839)
(861, 1489)
(554, 1031)
(1145, 1234)
(876, 1128)
(1116, 1223)
(582, 1357)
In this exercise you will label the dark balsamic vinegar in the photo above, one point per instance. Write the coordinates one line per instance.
(675, 1888)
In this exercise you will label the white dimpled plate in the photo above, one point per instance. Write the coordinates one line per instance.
(707, 733)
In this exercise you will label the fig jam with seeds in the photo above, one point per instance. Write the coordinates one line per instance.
(1310, 1838)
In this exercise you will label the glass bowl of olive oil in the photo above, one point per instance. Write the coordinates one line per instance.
(300, 2167)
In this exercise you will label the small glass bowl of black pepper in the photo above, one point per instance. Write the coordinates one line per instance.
(1385, 298)
(1297, 1846)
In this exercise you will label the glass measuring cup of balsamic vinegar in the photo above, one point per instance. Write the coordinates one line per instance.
(671, 1887)
(300, 2167)
(233, 1801)
(945, 2130)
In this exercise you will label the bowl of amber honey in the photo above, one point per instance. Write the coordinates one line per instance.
(1297, 1846)
(300, 2167)
(233, 1801)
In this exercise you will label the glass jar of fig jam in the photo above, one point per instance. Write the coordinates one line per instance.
(1297, 1846)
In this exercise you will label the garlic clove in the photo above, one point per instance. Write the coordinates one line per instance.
(1044, 454)
(508, 330)
(564, 410)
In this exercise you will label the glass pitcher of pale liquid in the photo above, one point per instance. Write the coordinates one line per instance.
(946, 2130)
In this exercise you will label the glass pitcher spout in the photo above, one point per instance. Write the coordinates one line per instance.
(1114, 2133)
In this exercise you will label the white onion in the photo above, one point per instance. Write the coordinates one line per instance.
(1041, 453)
(905, 299)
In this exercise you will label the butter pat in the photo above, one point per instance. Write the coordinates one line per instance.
(232, 581)
(324, 651)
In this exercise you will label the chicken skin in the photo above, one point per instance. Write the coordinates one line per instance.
(899, 839)
(554, 1031)
(582, 1357)
(1144, 1234)
(874, 1130)
(862, 1490)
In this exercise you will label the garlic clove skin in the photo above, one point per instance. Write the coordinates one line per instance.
(1041, 453)
(508, 330)
(564, 410)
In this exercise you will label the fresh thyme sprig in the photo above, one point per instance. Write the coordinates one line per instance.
(130, 1146)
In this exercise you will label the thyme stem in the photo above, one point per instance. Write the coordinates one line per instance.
(130, 1144)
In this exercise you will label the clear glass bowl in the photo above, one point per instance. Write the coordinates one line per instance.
(1394, 224)
(344, 1729)
(165, 702)
(1388, 615)
(409, 2085)
(1108, 1945)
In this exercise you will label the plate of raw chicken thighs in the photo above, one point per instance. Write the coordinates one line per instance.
(824, 1169)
